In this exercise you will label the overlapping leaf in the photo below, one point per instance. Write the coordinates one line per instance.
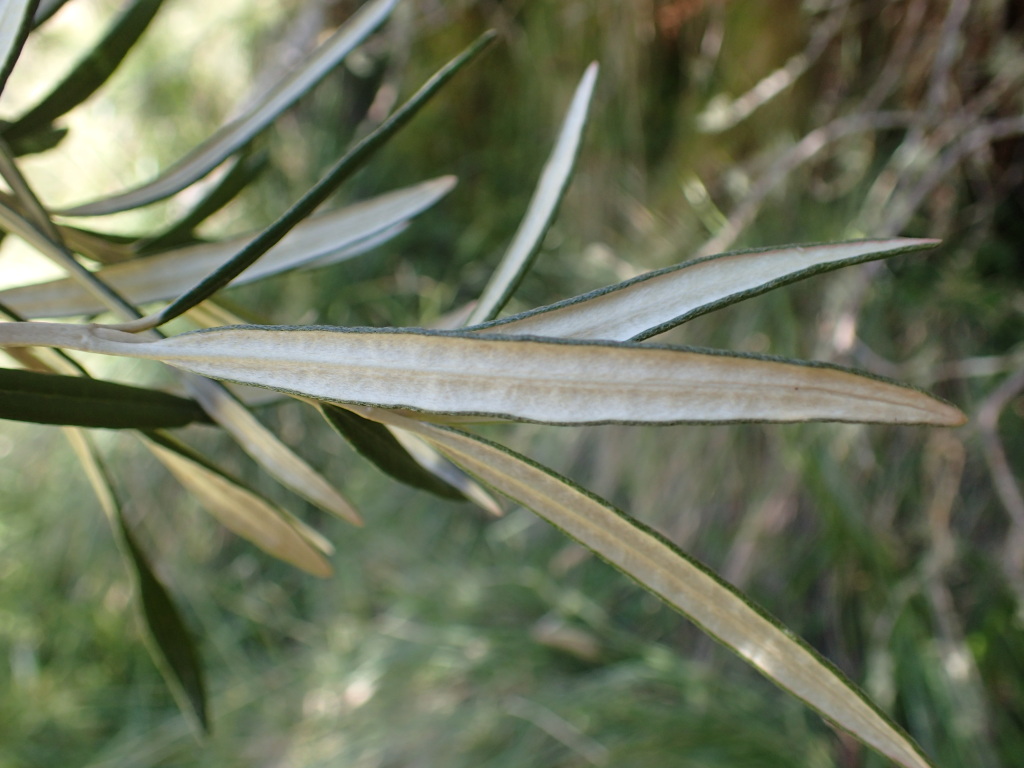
(168, 639)
(286, 466)
(316, 241)
(15, 19)
(680, 581)
(241, 130)
(521, 378)
(241, 510)
(376, 443)
(657, 301)
(89, 73)
(77, 401)
(551, 187)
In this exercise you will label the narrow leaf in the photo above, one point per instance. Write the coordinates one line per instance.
(376, 443)
(520, 378)
(15, 21)
(657, 301)
(237, 133)
(91, 72)
(268, 451)
(317, 240)
(434, 462)
(241, 174)
(554, 180)
(167, 637)
(683, 583)
(23, 195)
(241, 510)
(45, 10)
(81, 402)
(42, 140)
(345, 167)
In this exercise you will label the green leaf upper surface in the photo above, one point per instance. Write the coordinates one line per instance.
(241, 130)
(90, 73)
(169, 641)
(376, 443)
(657, 301)
(681, 582)
(77, 401)
(314, 241)
(554, 180)
(545, 380)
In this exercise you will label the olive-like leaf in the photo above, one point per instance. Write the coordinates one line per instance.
(553, 381)
(554, 180)
(89, 73)
(313, 242)
(255, 439)
(238, 177)
(240, 510)
(23, 196)
(167, 637)
(77, 401)
(683, 583)
(654, 302)
(290, 469)
(15, 21)
(376, 443)
(341, 170)
(434, 462)
(237, 133)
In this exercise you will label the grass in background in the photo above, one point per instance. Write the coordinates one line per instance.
(447, 639)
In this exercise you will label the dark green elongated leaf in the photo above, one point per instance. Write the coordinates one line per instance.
(15, 21)
(168, 639)
(241, 174)
(40, 141)
(240, 131)
(91, 72)
(551, 187)
(344, 168)
(77, 401)
(376, 443)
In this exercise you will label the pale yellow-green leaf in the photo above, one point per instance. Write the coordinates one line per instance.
(280, 461)
(543, 205)
(520, 378)
(656, 301)
(235, 134)
(681, 582)
(319, 240)
(248, 515)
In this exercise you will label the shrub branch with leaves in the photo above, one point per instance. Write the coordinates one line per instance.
(402, 396)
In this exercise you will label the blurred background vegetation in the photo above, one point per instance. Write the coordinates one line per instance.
(446, 638)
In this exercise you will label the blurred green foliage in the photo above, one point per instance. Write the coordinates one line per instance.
(447, 639)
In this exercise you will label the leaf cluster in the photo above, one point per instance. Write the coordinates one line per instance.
(405, 398)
